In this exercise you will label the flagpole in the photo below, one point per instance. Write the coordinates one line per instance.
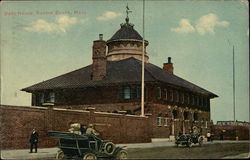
(143, 46)
(233, 85)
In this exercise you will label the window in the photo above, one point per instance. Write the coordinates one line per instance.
(41, 97)
(126, 93)
(188, 99)
(201, 101)
(47, 96)
(185, 115)
(197, 100)
(159, 93)
(171, 96)
(158, 120)
(193, 100)
(205, 102)
(52, 97)
(165, 120)
(138, 93)
(166, 94)
(182, 98)
(196, 116)
(177, 96)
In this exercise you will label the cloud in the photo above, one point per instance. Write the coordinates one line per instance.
(204, 25)
(61, 25)
(207, 23)
(108, 15)
(184, 28)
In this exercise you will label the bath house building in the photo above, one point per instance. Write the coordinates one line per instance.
(112, 83)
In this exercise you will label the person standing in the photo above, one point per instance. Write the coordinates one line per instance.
(208, 136)
(33, 141)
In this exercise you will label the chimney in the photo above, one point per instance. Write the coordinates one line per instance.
(99, 66)
(168, 66)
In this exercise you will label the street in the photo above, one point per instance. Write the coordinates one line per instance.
(207, 151)
(154, 150)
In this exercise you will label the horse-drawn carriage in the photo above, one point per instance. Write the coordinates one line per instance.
(86, 146)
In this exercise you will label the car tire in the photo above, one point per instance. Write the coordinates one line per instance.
(109, 148)
(200, 140)
(60, 155)
(122, 154)
(89, 156)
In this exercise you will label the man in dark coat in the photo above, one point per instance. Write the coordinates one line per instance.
(33, 141)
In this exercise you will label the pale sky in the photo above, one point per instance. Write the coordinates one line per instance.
(41, 40)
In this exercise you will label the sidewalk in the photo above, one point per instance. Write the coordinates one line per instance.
(50, 153)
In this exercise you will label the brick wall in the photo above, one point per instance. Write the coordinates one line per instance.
(18, 122)
(173, 126)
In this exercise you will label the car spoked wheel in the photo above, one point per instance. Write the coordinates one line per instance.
(89, 156)
(60, 155)
(200, 141)
(122, 154)
(109, 148)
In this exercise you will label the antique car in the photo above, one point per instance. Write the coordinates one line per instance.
(86, 147)
(189, 140)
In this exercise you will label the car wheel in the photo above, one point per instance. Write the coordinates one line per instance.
(200, 141)
(109, 148)
(122, 154)
(89, 156)
(60, 154)
(189, 143)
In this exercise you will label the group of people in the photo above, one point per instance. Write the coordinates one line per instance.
(90, 130)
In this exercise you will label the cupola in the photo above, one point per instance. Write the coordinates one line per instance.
(126, 43)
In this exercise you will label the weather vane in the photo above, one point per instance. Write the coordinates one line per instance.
(127, 11)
